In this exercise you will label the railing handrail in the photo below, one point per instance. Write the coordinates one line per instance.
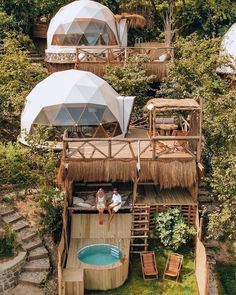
(122, 47)
(157, 138)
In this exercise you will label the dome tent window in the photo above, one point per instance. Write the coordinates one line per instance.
(82, 23)
(89, 33)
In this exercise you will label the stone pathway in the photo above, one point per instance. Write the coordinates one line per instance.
(37, 266)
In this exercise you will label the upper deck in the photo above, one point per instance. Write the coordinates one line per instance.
(169, 158)
(95, 58)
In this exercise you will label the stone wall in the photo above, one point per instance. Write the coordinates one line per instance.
(9, 271)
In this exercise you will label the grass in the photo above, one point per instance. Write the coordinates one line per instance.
(226, 279)
(135, 285)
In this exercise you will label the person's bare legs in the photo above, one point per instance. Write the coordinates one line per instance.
(109, 210)
(111, 216)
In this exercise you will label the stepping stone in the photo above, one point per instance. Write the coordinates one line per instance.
(32, 244)
(32, 278)
(6, 211)
(10, 218)
(37, 265)
(38, 253)
(17, 226)
(26, 234)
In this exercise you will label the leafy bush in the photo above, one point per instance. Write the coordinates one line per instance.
(51, 201)
(7, 242)
(131, 79)
(171, 229)
(22, 167)
(17, 78)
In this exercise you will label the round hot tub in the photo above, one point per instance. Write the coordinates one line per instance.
(100, 254)
(105, 266)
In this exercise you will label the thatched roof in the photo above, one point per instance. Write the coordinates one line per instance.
(165, 104)
(134, 20)
(167, 173)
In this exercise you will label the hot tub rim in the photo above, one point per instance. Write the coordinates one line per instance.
(93, 266)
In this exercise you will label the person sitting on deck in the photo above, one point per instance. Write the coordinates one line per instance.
(100, 204)
(115, 204)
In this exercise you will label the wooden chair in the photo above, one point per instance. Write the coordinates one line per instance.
(149, 268)
(173, 266)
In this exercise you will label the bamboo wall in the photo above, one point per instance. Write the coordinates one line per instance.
(157, 68)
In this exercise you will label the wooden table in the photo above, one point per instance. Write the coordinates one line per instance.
(166, 129)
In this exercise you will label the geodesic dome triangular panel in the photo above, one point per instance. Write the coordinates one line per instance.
(83, 22)
(71, 98)
(228, 50)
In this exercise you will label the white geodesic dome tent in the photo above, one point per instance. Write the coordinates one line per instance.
(228, 50)
(77, 99)
(82, 22)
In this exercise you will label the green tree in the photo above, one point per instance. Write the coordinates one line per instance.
(21, 11)
(193, 74)
(131, 79)
(18, 76)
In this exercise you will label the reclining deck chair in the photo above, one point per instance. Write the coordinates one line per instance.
(149, 268)
(173, 266)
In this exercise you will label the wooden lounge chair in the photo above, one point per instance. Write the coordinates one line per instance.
(149, 268)
(173, 266)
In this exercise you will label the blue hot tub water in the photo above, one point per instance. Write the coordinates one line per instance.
(99, 254)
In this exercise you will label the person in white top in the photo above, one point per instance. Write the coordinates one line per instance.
(115, 204)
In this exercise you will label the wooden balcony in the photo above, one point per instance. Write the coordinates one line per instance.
(170, 161)
(95, 58)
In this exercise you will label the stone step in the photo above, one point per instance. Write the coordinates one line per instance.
(38, 253)
(37, 265)
(11, 218)
(26, 234)
(32, 244)
(33, 278)
(6, 211)
(203, 193)
(19, 225)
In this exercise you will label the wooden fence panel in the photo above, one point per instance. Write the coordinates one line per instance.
(201, 264)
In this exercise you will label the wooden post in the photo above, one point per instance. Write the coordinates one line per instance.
(153, 149)
(126, 55)
(109, 150)
(135, 188)
(150, 123)
(154, 123)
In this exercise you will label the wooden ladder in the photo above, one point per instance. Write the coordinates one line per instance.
(140, 228)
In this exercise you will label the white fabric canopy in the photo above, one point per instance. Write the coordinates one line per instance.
(83, 9)
(69, 92)
(229, 50)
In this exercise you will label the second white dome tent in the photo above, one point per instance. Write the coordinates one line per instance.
(77, 99)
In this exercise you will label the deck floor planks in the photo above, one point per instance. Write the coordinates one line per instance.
(151, 194)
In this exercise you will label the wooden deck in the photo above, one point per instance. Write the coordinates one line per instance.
(129, 148)
(152, 195)
(86, 230)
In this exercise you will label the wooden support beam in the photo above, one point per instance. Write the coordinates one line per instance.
(135, 188)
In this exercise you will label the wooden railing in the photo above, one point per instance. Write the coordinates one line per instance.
(115, 54)
(129, 148)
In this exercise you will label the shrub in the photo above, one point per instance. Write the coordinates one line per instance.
(7, 242)
(51, 201)
(131, 79)
(171, 229)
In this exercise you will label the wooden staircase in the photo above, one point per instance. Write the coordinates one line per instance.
(140, 228)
